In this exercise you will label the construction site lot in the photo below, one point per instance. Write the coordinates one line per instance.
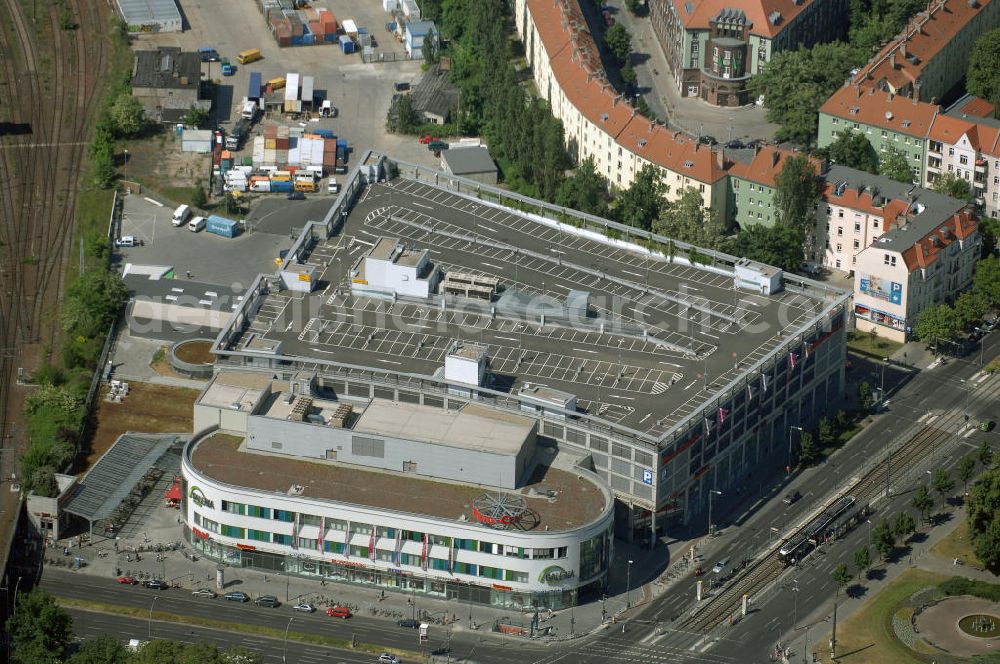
(628, 362)
(148, 408)
(361, 92)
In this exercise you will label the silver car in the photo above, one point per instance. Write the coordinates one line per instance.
(304, 607)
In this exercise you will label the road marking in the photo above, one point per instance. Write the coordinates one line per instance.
(968, 433)
(388, 361)
(584, 350)
(318, 350)
(429, 207)
(645, 418)
(619, 396)
(506, 338)
(488, 228)
(638, 274)
(157, 203)
(496, 267)
(690, 384)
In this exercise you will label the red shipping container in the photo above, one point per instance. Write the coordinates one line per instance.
(315, 27)
(271, 131)
(285, 42)
(330, 24)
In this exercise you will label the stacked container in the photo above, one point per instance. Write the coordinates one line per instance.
(329, 23)
(329, 154)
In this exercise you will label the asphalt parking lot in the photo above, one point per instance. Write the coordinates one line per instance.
(361, 92)
(210, 258)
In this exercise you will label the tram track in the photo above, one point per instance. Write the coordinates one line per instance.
(922, 441)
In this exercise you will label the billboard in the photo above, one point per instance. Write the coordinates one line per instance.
(882, 289)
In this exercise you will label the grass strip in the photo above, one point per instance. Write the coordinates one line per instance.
(271, 632)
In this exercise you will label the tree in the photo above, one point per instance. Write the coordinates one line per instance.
(429, 49)
(936, 324)
(797, 193)
(892, 163)
(628, 75)
(942, 482)
(987, 547)
(966, 469)
(825, 433)
(841, 421)
(633, 6)
(199, 198)
(970, 308)
(983, 513)
(853, 150)
(795, 83)
(127, 115)
(807, 450)
(950, 184)
(619, 42)
(103, 162)
(987, 279)
(406, 119)
(985, 454)
(585, 190)
(686, 219)
(66, 20)
(841, 575)
(776, 245)
(103, 649)
(862, 560)
(865, 396)
(883, 539)
(640, 203)
(904, 525)
(40, 629)
(196, 117)
(92, 303)
(983, 78)
(922, 501)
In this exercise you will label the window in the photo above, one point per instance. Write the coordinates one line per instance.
(465, 544)
(857, 244)
(884, 133)
(516, 552)
(197, 517)
(335, 524)
(278, 538)
(233, 508)
(486, 547)
(306, 543)
(465, 568)
(309, 519)
(516, 577)
(951, 152)
(840, 231)
(361, 528)
(409, 466)
(231, 531)
(562, 552)
(284, 515)
(275, 445)
(210, 526)
(258, 535)
(541, 554)
(259, 512)
(963, 159)
(875, 224)
(840, 247)
(333, 547)
(490, 572)
(857, 226)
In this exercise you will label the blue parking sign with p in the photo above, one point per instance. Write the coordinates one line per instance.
(647, 476)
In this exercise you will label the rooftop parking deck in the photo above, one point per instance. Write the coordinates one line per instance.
(660, 336)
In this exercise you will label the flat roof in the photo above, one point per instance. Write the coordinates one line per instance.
(136, 12)
(660, 340)
(224, 458)
(167, 68)
(235, 390)
(469, 160)
(473, 427)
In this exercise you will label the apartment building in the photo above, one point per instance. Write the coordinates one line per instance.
(968, 150)
(752, 185)
(929, 58)
(599, 124)
(713, 47)
(924, 260)
(858, 208)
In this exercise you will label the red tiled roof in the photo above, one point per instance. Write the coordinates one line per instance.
(926, 250)
(881, 109)
(923, 37)
(978, 108)
(576, 66)
(766, 165)
(758, 13)
(863, 201)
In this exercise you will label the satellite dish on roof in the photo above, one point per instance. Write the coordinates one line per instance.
(888, 115)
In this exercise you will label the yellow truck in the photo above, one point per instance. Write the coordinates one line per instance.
(252, 55)
(276, 83)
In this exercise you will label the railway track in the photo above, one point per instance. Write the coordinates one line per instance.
(920, 445)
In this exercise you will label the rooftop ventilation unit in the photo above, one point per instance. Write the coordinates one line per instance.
(688, 164)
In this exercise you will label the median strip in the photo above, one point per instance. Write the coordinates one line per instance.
(270, 632)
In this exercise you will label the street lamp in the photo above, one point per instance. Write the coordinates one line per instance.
(711, 492)
(789, 466)
(126, 164)
(869, 532)
(151, 605)
(16, 585)
(982, 341)
(628, 586)
(284, 643)
(795, 604)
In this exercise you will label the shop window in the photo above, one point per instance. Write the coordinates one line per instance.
(516, 577)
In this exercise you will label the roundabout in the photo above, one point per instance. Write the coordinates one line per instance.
(964, 626)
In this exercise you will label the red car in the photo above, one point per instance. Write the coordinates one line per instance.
(339, 612)
(129, 580)
(424, 140)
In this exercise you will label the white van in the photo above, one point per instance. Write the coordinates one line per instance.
(333, 186)
(196, 224)
(181, 215)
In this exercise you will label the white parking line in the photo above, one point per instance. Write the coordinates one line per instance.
(584, 350)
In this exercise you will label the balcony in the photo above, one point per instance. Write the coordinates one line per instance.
(981, 165)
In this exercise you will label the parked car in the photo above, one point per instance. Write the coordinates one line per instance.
(707, 140)
(408, 623)
(386, 658)
(128, 580)
(339, 612)
(269, 601)
(735, 144)
(304, 607)
(986, 425)
(126, 241)
(333, 186)
(400, 86)
(296, 196)
(791, 497)
(204, 592)
(156, 584)
(208, 54)
(721, 565)
(237, 596)
(753, 143)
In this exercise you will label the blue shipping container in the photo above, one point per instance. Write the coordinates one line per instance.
(281, 185)
(325, 133)
(342, 143)
(254, 88)
(221, 226)
(332, 37)
(308, 40)
(297, 41)
(346, 45)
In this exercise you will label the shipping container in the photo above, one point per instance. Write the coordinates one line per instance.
(255, 87)
(284, 176)
(303, 185)
(324, 133)
(276, 84)
(222, 226)
(282, 186)
(346, 45)
(291, 86)
(248, 56)
(307, 91)
(263, 185)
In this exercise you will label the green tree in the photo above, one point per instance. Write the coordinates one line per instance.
(103, 649)
(39, 630)
(892, 163)
(987, 279)
(585, 190)
(987, 547)
(865, 396)
(983, 77)
(883, 539)
(904, 525)
(628, 75)
(686, 219)
(983, 514)
(808, 454)
(92, 303)
(619, 42)
(405, 120)
(950, 184)
(199, 198)
(102, 157)
(429, 49)
(66, 19)
(633, 6)
(128, 116)
(862, 560)
(795, 83)
(798, 190)
(196, 117)
(853, 150)
(777, 245)
(937, 324)
(639, 204)
(922, 501)
(970, 308)
(966, 469)
(841, 575)
(989, 229)
(841, 420)
(942, 483)
(985, 454)
(825, 433)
